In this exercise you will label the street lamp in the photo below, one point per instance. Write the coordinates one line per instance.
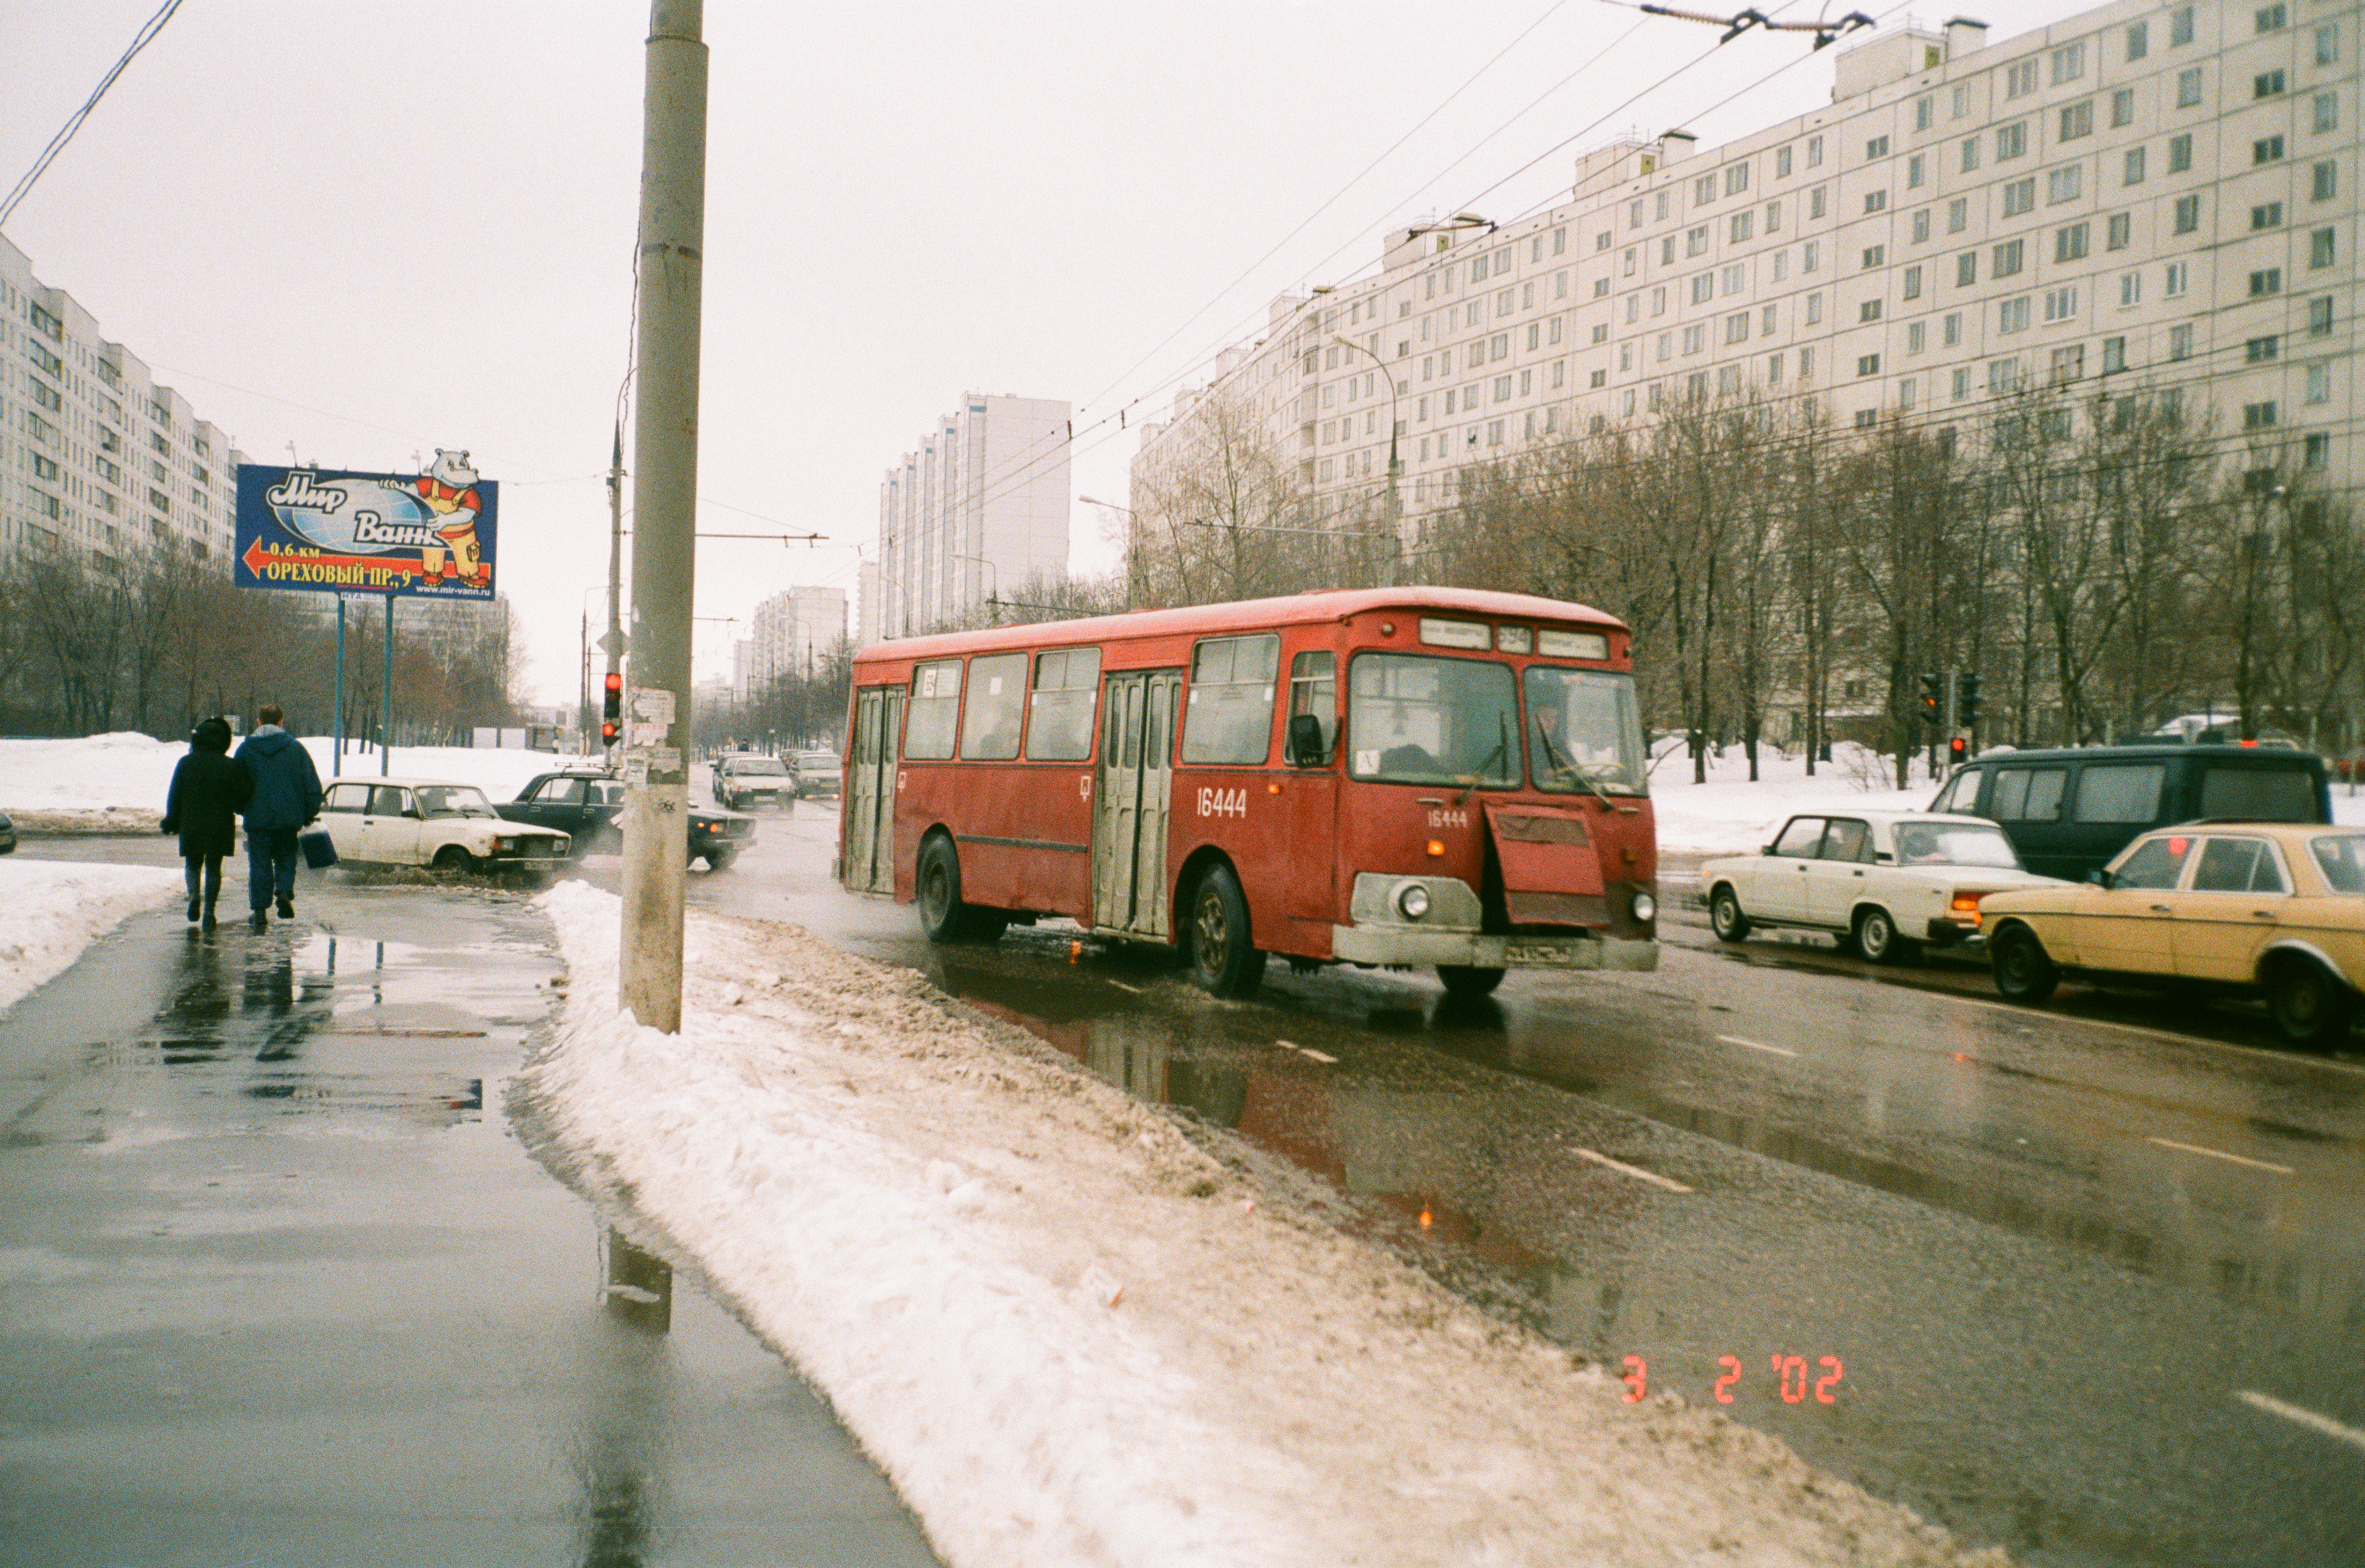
(1395, 542)
(993, 578)
(1096, 501)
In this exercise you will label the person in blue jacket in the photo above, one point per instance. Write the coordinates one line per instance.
(207, 790)
(285, 796)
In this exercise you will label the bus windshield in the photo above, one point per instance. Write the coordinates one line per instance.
(1413, 719)
(1584, 732)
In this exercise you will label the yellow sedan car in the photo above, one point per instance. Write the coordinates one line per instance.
(2237, 908)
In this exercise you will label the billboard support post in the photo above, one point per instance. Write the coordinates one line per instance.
(656, 712)
(337, 703)
(386, 705)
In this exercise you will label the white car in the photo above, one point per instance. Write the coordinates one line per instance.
(432, 822)
(1885, 882)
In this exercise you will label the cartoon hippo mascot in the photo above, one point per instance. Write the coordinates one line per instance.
(449, 490)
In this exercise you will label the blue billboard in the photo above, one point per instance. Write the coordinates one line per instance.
(414, 535)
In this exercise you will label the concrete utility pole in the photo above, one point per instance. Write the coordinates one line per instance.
(665, 491)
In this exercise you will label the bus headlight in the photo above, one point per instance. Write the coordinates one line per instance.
(1412, 900)
(1645, 906)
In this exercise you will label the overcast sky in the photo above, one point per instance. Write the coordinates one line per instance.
(376, 229)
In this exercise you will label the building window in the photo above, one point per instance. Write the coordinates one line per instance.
(1774, 369)
(1704, 190)
(1815, 309)
(1809, 255)
(2319, 316)
(2070, 244)
(2019, 80)
(2012, 140)
(1695, 339)
(2069, 63)
(1703, 288)
(2064, 183)
(2077, 120)
(2271, 18)
(2009, 258)
(2325, 182)
(2188, 88)
(1868, 365)
(1913, 283)
(2268, 215)
(2180, 153)
(2187, 214)
(2259, 351)
(1970, 153)
(1921, 230)
(2132, 174)
(2012, 314)
(1814, 153)
(2060, 304)
(2004, 374)
(2114, 354)
(2068, 364)
(1967, 269)
(1915, 338)
(1736, 328)
(2173, 278)
(1868, 311)
(1874, 256)
(2130, 290)
(1781, 163)
(2138, 39)
(2267, 150)
(2320, 248)
(2179, 26)
(1951, 329)
(2122, 108)
(1865, 418)
(2319, 383)
(1815, 202)
(2119, 231)
(2319, 451)
(1875, 201)
(2326, 111)
(1960, 384)
(1958, 214)
(2258, 416)
(1736, 179)
(1921, 113)
(2020, 196)
(2267, 280)
(1961, 100)
(2265, 83)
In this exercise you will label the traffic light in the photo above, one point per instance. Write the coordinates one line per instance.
(611, 710)
(1934, 699)
(1959, 751)
(1967, 700)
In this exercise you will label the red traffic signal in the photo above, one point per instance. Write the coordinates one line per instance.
(612, 710)
(1958, 750)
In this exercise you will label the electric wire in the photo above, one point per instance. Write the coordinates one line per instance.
(140, 40)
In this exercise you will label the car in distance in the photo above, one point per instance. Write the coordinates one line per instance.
(432, 822)
(1884, 882)
(588, 804)
(7, 833)
(820, 775)
(744, 778)
(2268, 909)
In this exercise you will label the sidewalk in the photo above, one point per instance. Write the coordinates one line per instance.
(278, 1283)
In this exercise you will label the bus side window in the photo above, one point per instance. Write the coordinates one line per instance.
(935, 705)
(1313, 689)
(997, 697)
(1228, 715)
(1067, 684)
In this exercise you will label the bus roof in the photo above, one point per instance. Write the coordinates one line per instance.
(1314, 605)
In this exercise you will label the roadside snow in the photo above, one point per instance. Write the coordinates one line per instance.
(52, 910)
(116, 783)
(1072, 1336)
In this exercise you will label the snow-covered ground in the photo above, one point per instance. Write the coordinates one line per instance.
(52, 910)
(116, 783)
(1073, 1335)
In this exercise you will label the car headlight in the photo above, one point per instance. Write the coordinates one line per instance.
(1412, 900)
(503, 845)
(1645, 906)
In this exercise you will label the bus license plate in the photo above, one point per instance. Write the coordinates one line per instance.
(1538, 952)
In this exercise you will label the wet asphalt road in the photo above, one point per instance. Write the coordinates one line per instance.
(2074, 1280)
(279, 1284)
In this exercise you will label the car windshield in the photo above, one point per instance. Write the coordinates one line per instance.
(2341, 858)
(766, 764)
(454, 801)
(1584, 732)
(826, 761)
(1954, 844)
(1412, 720)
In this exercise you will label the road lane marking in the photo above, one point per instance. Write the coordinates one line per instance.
(1121, 986)
(1637, 1173)
(2309, 1418)
(1755, 1045)
(2221, 1154)
(1310, 1053)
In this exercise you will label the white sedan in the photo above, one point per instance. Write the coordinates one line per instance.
(1885, 882)
(432, 822)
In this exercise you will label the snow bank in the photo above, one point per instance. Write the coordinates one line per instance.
(1072, 1336)
(52, 910)
(116, 783)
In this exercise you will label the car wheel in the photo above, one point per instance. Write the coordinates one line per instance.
(1724, 916)
(2310, 1006)
(943, 916)
(1223, 960)
(720, 860)
(1876, 938)
(2022, 972)
(1469, 979)
(454, 858)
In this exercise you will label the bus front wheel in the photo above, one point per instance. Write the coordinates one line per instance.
(1470, 979)
(1223, 960)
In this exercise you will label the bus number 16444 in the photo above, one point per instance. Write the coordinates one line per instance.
(1222, 803)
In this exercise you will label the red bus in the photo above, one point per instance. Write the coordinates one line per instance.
(1380, 777)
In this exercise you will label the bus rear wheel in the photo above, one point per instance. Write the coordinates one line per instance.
(1469, 979)
(1223, 961)
(943, 916)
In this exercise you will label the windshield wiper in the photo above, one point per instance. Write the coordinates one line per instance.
(1502, 747)
(1564, 766)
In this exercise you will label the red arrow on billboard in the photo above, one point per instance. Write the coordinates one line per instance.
(257, 556)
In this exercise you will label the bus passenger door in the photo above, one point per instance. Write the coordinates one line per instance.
(1129, 824)
(870, 792)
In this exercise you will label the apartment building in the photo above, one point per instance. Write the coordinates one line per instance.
(980, 507)
(2163, 192)
(93, 456)
(791, 633)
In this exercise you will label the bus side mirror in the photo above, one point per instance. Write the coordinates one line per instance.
(1304, 747)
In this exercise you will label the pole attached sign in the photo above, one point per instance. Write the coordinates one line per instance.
(404, 535)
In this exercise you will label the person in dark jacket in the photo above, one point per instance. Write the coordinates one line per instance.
(209, 790)
(285, 795)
